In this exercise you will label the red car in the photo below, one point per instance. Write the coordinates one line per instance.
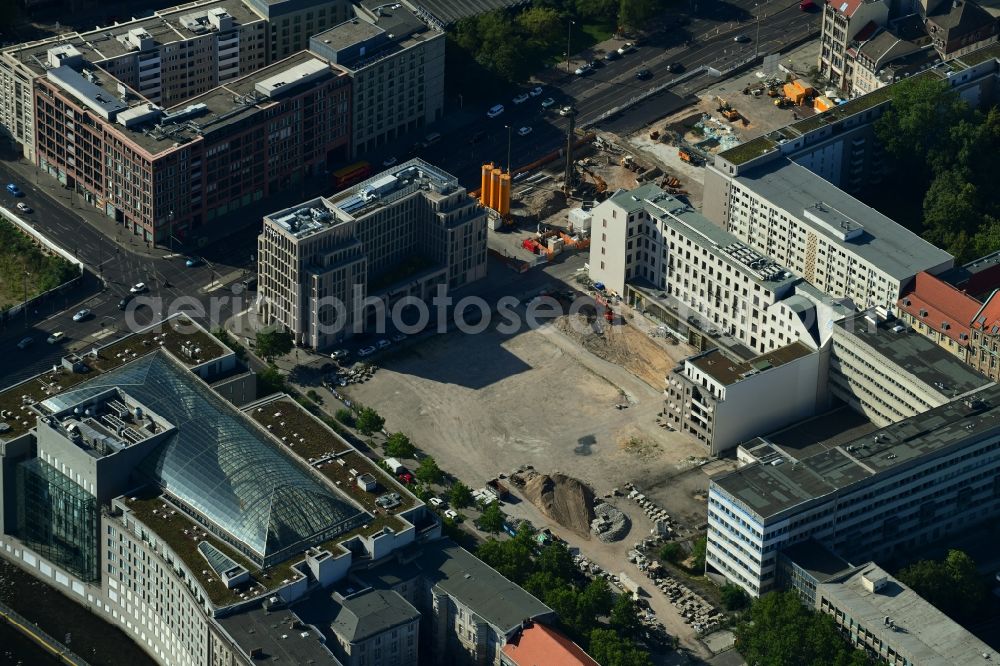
(406, 478)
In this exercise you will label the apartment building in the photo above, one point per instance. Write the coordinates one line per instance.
(904, 485)
(723, 401)
(141, 494)
(329, 267)
(292, 22)
(958, 27)
(831, 239)
(469, 611)
(649, 246)
(539, 644)
(163, 173)
(845, 23)
(167, 58)
(901, 50)
(396, 63)
(370, 627)
(939, 312)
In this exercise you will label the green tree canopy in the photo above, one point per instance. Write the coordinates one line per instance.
(428, 471)
(399, 445)
(953, 585)
(368, 421)
(492, 519)
(625, 616)
(733, 597)
(610, 649)
(459, 495)
(271, 343)
(270, 380)
(779, 631)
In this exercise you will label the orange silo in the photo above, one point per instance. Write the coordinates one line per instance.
(485, 188)
(495, 189)
(503, 198)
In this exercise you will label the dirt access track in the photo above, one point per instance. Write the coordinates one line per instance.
(484, 404)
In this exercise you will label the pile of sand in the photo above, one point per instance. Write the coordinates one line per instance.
(560, 498)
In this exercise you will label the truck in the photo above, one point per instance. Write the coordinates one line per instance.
(394, 465)
(630, 585)
(497, 489)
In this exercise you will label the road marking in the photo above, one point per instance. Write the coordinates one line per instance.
(102, 334)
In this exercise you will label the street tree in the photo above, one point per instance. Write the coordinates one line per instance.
(272, 342)
(492, 519)
(399, 446)
(428, 471)
(459, 495)
(368, 421)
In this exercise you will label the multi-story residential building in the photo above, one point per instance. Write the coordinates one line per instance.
(901, 50)
(292, 22)
(371, 627)
(940, 312)
(649, 246)
(329, 266)
(901, 486)
(469, 611)
(958, 27)
(723, 402)
(131, 485)
(162, 173)
(834, 241)
(171, 56)
(539, 644)
(888, 372)
(842, 23)
(397, 64)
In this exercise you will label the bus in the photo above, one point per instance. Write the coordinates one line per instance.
(349, 175)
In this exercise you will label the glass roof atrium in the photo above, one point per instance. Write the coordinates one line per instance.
(220, 466)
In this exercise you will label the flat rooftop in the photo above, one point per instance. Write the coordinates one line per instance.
(913, 353)
(770, 490)
(280, 635)
(726, 371)
(815, 559)
(691, 224)
(842, 219)
(919, 632)
(821, 433)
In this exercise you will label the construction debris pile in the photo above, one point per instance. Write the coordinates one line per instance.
(610, 524)
(560, 498)
(714, 128)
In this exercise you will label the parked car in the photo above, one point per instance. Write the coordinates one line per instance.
(366, 351)
(436, 501)
(123, 303)
(522, 98)
(191, 262)
(643, 74)
(451, 513)
(55, 337)
(23, 207)
(15, 190)
(627, 47)
(612, 55)
(596, 64)
(406, 478)
(566, 110)
(139, 288)
(548, 102)
(583, 69)
(675, 68)
(536, 91)
(382, 344)
(742, 39)
(25, 343)
(494, 111)
(338, 354)
(524, 131)
(81, 315)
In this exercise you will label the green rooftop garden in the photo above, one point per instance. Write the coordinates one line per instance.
(981, 56)
(299, 430)
(750, 150)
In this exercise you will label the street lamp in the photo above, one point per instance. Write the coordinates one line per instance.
(170, 230)
(25, 305)
(508, 148)
(756, 41)
(569, 35)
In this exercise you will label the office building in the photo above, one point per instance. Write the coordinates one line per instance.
(652, 248)
(902, 486)
(292, 22)
(396, 63)
(401, 234)
(162, 173)
(888, 372)
(840, 245)
(369, 627)
(469, 611)
(722, 401)
(169, 57)
(128, 483)
(845, 23)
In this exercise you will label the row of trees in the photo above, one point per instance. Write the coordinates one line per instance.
(605, 624)
(511, 43)
(949, 151)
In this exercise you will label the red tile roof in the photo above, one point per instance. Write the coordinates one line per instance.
(845, 7)
(937, 303)
(538, 645)
(988, 318)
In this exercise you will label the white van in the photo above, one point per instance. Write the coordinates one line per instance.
(495, 111)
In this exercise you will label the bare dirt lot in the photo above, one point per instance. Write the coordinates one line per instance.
(484, 404)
